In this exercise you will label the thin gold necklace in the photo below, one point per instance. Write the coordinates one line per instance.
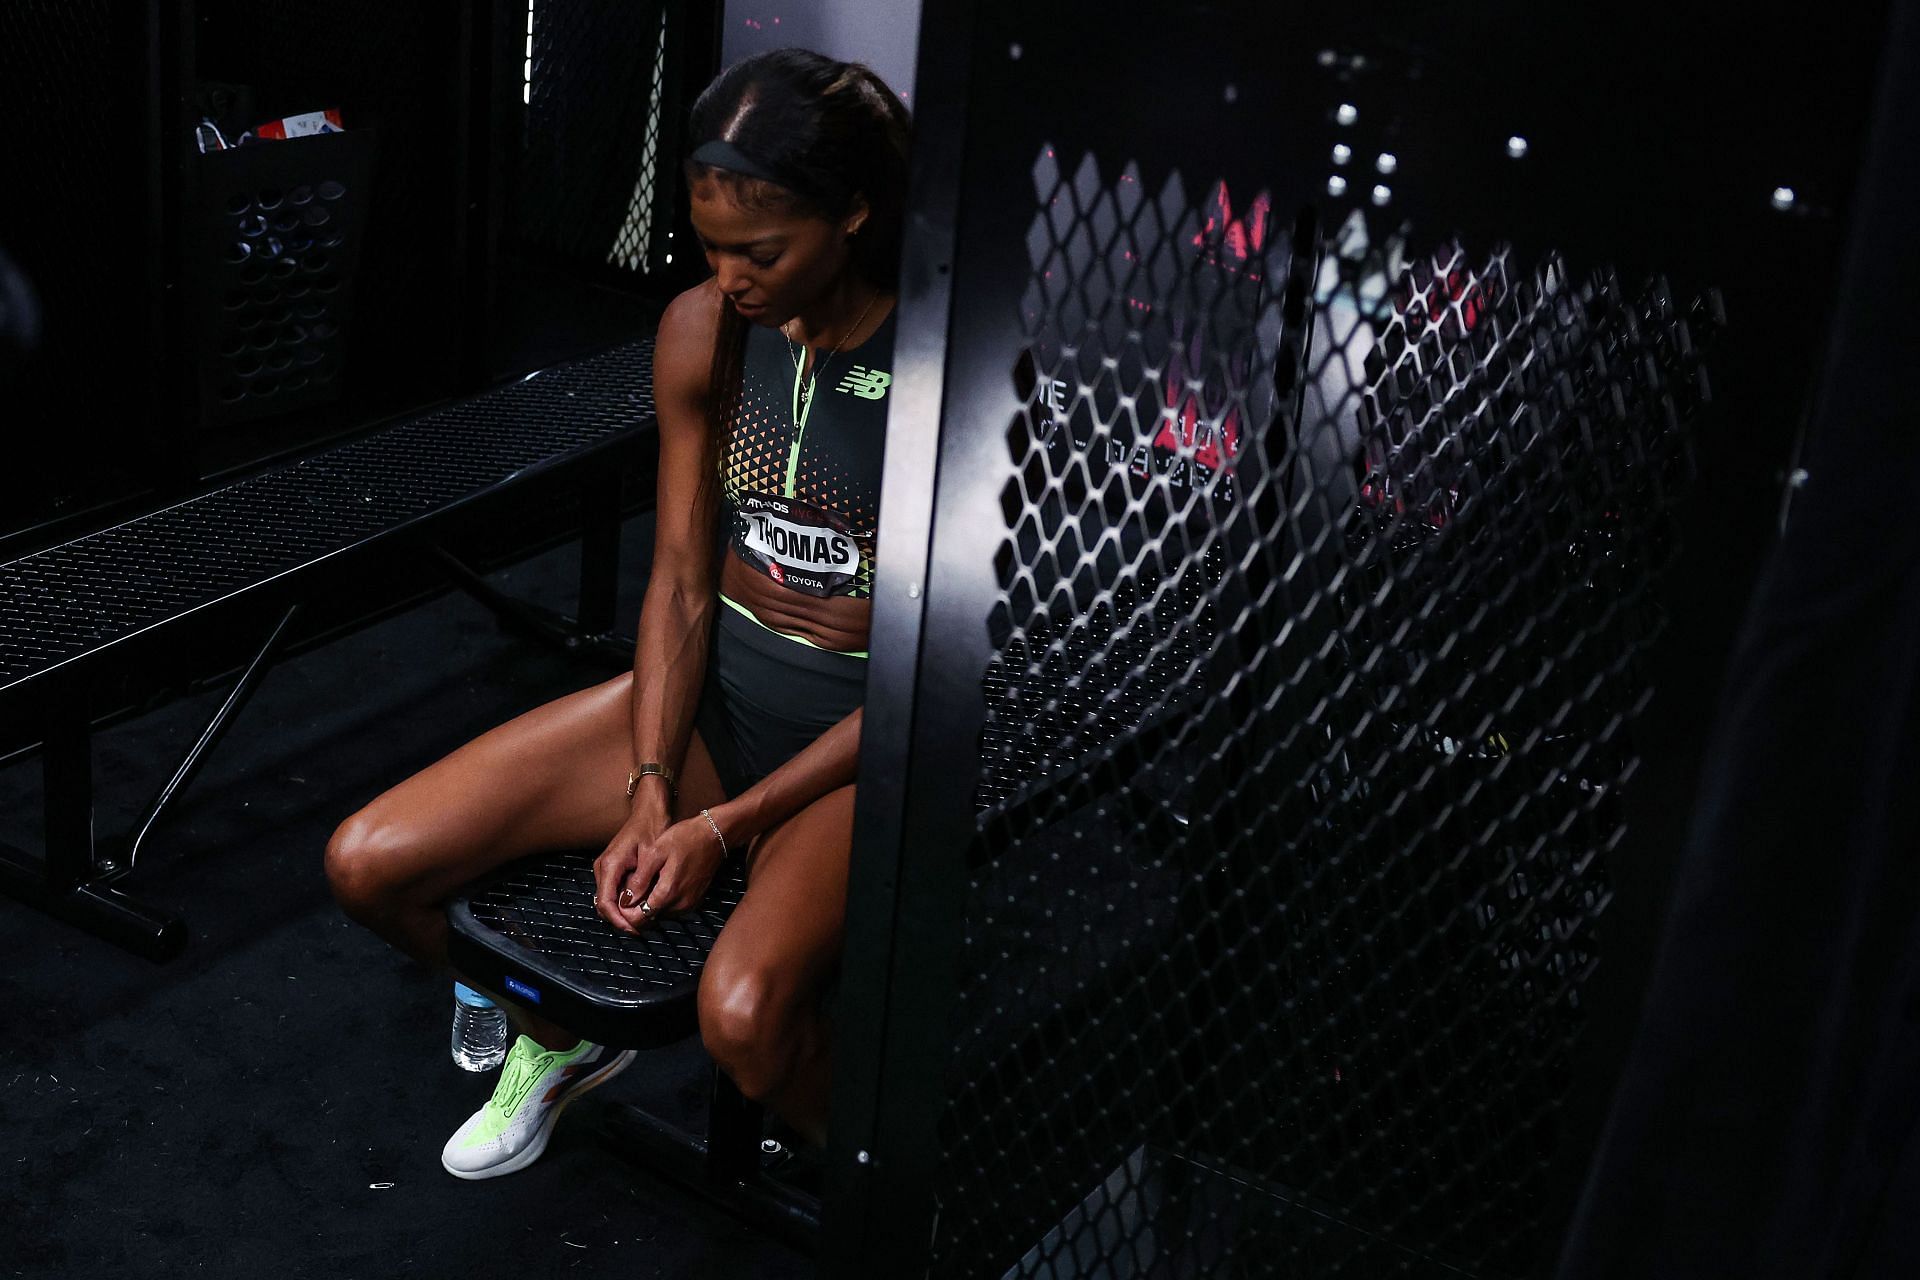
(793, 352)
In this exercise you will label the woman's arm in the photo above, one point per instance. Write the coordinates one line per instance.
(826, 764)
(676, 614)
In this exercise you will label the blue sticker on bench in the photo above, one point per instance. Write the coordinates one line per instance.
(520, 988)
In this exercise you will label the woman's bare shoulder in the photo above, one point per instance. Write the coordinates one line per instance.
(683, 345)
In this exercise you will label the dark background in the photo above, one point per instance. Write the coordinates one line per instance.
(464, 276)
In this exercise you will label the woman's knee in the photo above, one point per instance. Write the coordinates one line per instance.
(359, 863)
(747, 1026)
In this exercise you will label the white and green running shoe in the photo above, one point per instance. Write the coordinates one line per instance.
(536, 1084)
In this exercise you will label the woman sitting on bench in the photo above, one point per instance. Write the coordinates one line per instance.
(738, 726)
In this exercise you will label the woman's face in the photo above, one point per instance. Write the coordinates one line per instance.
(770, 265)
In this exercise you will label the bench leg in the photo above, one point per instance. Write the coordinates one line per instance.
(66, 772)
(713, 1167)
(521, 618)
(734, 1126)
(75, 877)
(65, 882)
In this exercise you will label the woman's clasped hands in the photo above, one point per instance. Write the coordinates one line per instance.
(654, 861)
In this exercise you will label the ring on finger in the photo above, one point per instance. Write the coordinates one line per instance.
(646, 908)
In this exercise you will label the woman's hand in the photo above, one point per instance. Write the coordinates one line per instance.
(669, 871)
(618, 860)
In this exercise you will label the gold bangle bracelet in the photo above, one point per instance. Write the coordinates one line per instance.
(655, 770)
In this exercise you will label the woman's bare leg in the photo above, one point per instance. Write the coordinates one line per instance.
(552, 778)
(760, 1014)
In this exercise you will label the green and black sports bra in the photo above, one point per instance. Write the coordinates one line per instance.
(800, 481)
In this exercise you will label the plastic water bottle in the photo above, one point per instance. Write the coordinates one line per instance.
(479, 1030)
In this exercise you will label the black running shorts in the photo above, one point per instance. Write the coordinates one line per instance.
(766, 698)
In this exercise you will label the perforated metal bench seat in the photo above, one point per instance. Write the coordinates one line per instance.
(77, 602)
(115, 618)
(529, 931)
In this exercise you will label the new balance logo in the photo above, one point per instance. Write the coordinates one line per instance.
(868, 384)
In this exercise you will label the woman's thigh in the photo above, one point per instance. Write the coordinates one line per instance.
(783, 940)
(552, 778)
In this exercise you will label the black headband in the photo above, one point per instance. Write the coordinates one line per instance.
(722, 154)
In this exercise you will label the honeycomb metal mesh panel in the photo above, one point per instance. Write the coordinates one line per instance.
(276, 290)
(1324, 598)
(591, 171)
(545, 903)
(73, 598)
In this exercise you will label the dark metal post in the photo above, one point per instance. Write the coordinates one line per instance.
(901, 932)
(66, 763)
(734, 1125)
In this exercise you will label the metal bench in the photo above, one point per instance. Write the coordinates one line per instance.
(125, 615)
(529, 931)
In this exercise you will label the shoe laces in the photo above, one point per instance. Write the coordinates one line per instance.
(520, 1073)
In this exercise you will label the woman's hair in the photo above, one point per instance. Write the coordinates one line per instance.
(828, 131)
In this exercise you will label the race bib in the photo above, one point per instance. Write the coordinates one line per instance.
(798, 545)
